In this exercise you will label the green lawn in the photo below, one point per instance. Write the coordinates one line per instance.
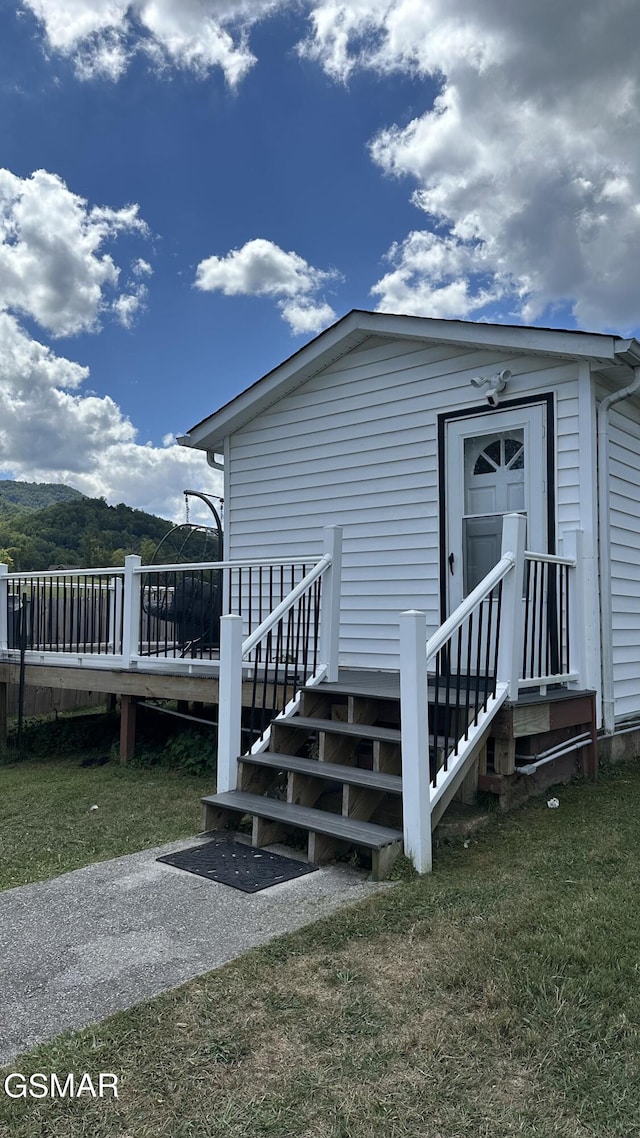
(47, 826)
(499, 997)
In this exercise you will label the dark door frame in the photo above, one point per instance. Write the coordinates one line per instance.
(547, 399)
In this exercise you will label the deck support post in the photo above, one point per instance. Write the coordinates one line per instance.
(512, 616)
(416, 800)
(230, 703)
(330, 604)
(4, 607)
(131, 604)
(128, 709)
(579, 625)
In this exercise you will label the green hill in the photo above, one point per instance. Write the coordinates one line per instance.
(76, 531)
(34, 495)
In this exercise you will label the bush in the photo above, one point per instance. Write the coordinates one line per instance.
(46, 737)
(192, 751)
(161, 741)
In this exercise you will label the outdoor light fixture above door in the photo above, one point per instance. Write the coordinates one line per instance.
(495, 384)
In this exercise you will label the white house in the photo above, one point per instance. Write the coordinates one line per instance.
(416, 435)
(430, 583)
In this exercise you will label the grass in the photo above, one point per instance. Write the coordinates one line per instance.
(47, 826)
(499, 997)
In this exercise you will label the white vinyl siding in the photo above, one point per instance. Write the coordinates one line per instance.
(356, 446)
(624, 491)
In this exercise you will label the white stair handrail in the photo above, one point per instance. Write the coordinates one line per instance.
(233, 651)
(283, 608)
(469, 604)
(419, 795)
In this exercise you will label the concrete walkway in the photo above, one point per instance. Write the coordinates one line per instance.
(75, 949)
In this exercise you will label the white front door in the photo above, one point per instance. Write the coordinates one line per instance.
(495, 465)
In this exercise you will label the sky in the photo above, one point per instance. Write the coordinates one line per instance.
(190, 190)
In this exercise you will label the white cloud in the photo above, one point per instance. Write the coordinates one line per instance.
(53, 269)
(305, 317)
(128, 304)
(528, 164)
(438, 276)
(141, 268)
(423, 37)
(527, 167)
(100, 36)
(51, 433)
(261, 268)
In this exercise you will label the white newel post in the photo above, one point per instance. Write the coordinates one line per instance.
(414, 716)
(131, 607)
(572, 546)
(512, 615)
(4, 607)
(115, 614)
(330, 604)
(229, 703)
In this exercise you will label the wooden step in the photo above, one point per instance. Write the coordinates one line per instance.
(334, 772)
(365, 691)
(305, 818)
(337, 727)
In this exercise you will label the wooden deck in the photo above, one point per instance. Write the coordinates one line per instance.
(534, 713)
(131, 685)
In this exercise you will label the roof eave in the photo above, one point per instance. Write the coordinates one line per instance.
(347, 332)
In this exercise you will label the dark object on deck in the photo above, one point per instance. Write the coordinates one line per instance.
(238, 865)
(19, 621)
(190, 601)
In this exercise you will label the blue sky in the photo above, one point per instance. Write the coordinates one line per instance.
(221, 179)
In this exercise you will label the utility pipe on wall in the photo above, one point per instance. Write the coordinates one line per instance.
(632, 349)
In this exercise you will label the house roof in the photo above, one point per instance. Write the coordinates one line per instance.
(613, 355)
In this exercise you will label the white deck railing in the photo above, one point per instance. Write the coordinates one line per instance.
(154, 617)
(297, 644)
(516, 623)
(552, 620)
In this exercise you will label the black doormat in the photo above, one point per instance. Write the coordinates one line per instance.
(238, 865)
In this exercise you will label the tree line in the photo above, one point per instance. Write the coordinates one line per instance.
(79, 532)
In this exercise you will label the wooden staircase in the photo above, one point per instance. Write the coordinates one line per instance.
(333, 771)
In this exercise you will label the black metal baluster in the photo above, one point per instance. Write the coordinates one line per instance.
(316, 627)
(306, 598)
(478, 659)
(91, 588)
(266, 663)
(550, 615)
(456, 719)
(534, 618)
(541, 619)
(446, 664)
(436, 719)
(568, 609)
(527, 613)
(487, 658)
(559, 621)
(260, 591)
(468, 676)
(287, 654)
(65, 615)
(497, 640)
(276, 673)
(299, 632)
